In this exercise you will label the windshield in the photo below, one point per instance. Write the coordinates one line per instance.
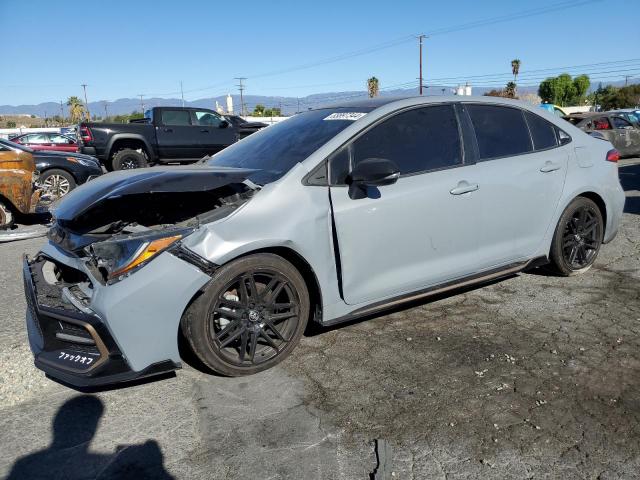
(10, 144)
(276, 149)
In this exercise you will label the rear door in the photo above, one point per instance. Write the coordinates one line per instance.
(520, 177)
(177, 137)
(213, 133)
(417, 232)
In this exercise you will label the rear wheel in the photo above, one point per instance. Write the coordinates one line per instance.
(577, 238)
(250, 317)
(6, 216)
(127, 159)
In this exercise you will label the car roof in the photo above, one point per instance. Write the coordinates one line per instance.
(374, 103)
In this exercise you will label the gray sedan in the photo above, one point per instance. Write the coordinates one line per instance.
(334, 214)
(612, 127)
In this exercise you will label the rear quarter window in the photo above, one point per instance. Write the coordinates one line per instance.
(500, 131)
(543, 133)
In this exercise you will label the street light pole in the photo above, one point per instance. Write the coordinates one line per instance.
(420, 37)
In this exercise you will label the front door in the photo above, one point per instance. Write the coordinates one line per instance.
(417, 232)
(214, 134)
(177, 137)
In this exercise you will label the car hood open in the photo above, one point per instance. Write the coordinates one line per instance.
(148, 180)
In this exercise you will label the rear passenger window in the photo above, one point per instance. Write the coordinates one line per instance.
(176, 117)
(417, 140)
(500, 131)
(542, 132)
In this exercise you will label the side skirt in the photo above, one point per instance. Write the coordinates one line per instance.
(438, 289)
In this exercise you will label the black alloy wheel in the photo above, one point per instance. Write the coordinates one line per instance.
(578, 237)
(250, 317)
(254, 317)
(128, 159)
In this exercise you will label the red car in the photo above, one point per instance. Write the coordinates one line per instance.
(47, 141)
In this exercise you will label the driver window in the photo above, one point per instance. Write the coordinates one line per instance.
(416, 140)
(620, 122)
(207, 119)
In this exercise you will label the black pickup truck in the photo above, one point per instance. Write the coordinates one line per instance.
(165, 135)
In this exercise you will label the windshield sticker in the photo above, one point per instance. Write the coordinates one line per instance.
(349, 116)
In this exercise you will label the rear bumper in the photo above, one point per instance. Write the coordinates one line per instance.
(69, 341)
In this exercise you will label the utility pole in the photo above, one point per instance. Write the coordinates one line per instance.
(241, 88)
(61, 112)
(626, 80)
(298, 109)
(106, 112)
(420, 37)
(182, 93)
(141, 103)
(86, 104)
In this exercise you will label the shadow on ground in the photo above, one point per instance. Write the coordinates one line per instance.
(68, 455)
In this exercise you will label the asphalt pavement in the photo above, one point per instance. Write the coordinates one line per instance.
(532, 376)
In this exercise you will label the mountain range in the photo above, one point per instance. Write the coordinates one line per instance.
(288, 104)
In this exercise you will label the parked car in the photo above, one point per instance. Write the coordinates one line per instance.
(612, 127)
(165, 135)
(62, 172)
(244, 127)
(630, 114)
(335, 214)
(49, 141)
(17, 183)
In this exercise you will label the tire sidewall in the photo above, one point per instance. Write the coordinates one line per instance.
(557, 255)
(195, 322)
(7, 214)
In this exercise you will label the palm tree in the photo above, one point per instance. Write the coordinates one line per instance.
(76, 109)
(515, 69)
(510, 90)
(373, 86)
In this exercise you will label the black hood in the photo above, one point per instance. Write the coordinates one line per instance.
(200, 178)
(50, 153)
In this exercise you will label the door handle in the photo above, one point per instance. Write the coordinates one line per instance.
(204, 130)
(549, 167)
(168, 129)
(464, 187)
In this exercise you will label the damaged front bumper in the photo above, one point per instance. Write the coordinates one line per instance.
(88, 334)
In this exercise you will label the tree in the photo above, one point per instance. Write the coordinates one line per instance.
(515, 69)
(610, 98)
(373, 87)
(76, 109)
(258, 111)
(510, 90)
(563, 90)
(11, 124)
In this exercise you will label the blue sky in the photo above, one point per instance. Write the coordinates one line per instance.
(124, 48)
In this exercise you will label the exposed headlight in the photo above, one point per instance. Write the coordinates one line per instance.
(117, 258)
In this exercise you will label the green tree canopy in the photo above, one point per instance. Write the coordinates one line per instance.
(564, 90)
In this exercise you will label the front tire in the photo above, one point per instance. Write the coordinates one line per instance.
(250, 317)
(127, 159)
(57, 183)
(578, 237)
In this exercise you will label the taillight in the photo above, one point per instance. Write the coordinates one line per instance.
(85, 134)
(613, 156)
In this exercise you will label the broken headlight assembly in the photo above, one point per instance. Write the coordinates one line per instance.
(117, 258)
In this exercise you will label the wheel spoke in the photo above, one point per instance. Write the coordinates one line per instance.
(269, 340)
(228, 313)
(281, 306)
(232, 337)
(244, 338)
(253, 290)
(231, 303)
(276, 317)
(253, 345)
(574, 253)
(274, 330)
(275, 292)
(242, 292)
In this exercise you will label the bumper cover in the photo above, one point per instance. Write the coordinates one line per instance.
(71, 343)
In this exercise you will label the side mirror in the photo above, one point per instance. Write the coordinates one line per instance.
(373, 172)
(223, 124)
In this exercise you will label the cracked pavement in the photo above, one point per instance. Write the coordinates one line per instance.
(534, 376)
